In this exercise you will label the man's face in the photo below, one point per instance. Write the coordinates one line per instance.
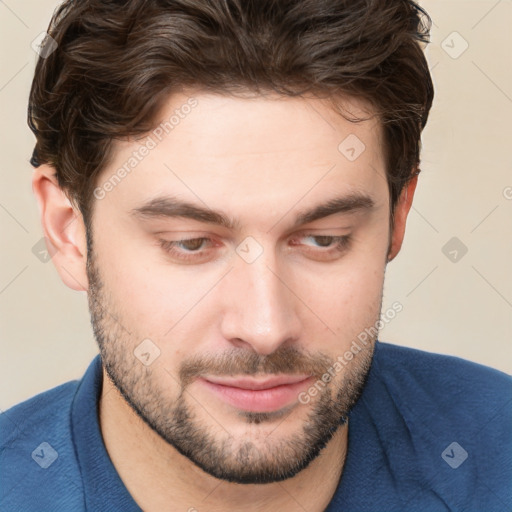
(212, 340)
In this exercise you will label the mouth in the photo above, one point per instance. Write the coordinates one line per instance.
(258, 395)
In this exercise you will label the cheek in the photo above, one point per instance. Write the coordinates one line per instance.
(147, 299)
(347, 298)
(153, 300)
(353, 299)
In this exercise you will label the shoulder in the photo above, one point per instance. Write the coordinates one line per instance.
(442, 375)
(452, 417)
(37, 413)
(38, 466)
(454, 393)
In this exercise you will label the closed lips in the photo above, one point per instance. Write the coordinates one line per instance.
(256, 385)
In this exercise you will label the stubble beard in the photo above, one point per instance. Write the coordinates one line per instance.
(264, 458)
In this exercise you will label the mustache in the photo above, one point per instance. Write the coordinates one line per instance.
(287, 360)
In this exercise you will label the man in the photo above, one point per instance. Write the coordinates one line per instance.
(228, 180)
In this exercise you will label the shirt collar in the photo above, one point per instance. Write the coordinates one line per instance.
(103, 488)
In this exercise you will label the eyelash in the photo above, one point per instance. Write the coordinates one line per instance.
(341, 243)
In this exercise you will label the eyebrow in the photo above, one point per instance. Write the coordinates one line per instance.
(171, 207)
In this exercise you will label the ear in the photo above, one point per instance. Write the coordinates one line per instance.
(63, 228)
(400, 217)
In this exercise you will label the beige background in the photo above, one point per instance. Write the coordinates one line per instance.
(462, 308)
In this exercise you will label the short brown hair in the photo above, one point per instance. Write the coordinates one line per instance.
(117, 61)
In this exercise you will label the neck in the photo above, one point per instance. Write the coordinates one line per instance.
(157, 475)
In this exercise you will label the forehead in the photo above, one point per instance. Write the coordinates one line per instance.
(249, 152)
(231, 126)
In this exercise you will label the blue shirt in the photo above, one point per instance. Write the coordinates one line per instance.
(429, 433)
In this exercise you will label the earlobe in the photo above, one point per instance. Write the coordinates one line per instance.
(63, 228)
(400, 217)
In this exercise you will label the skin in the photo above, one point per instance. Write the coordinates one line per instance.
(298, 305)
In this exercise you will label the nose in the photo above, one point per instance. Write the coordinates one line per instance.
(260, 307)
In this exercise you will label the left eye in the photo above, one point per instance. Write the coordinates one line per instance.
(323, 240)
(329, 242)
(188, 245)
